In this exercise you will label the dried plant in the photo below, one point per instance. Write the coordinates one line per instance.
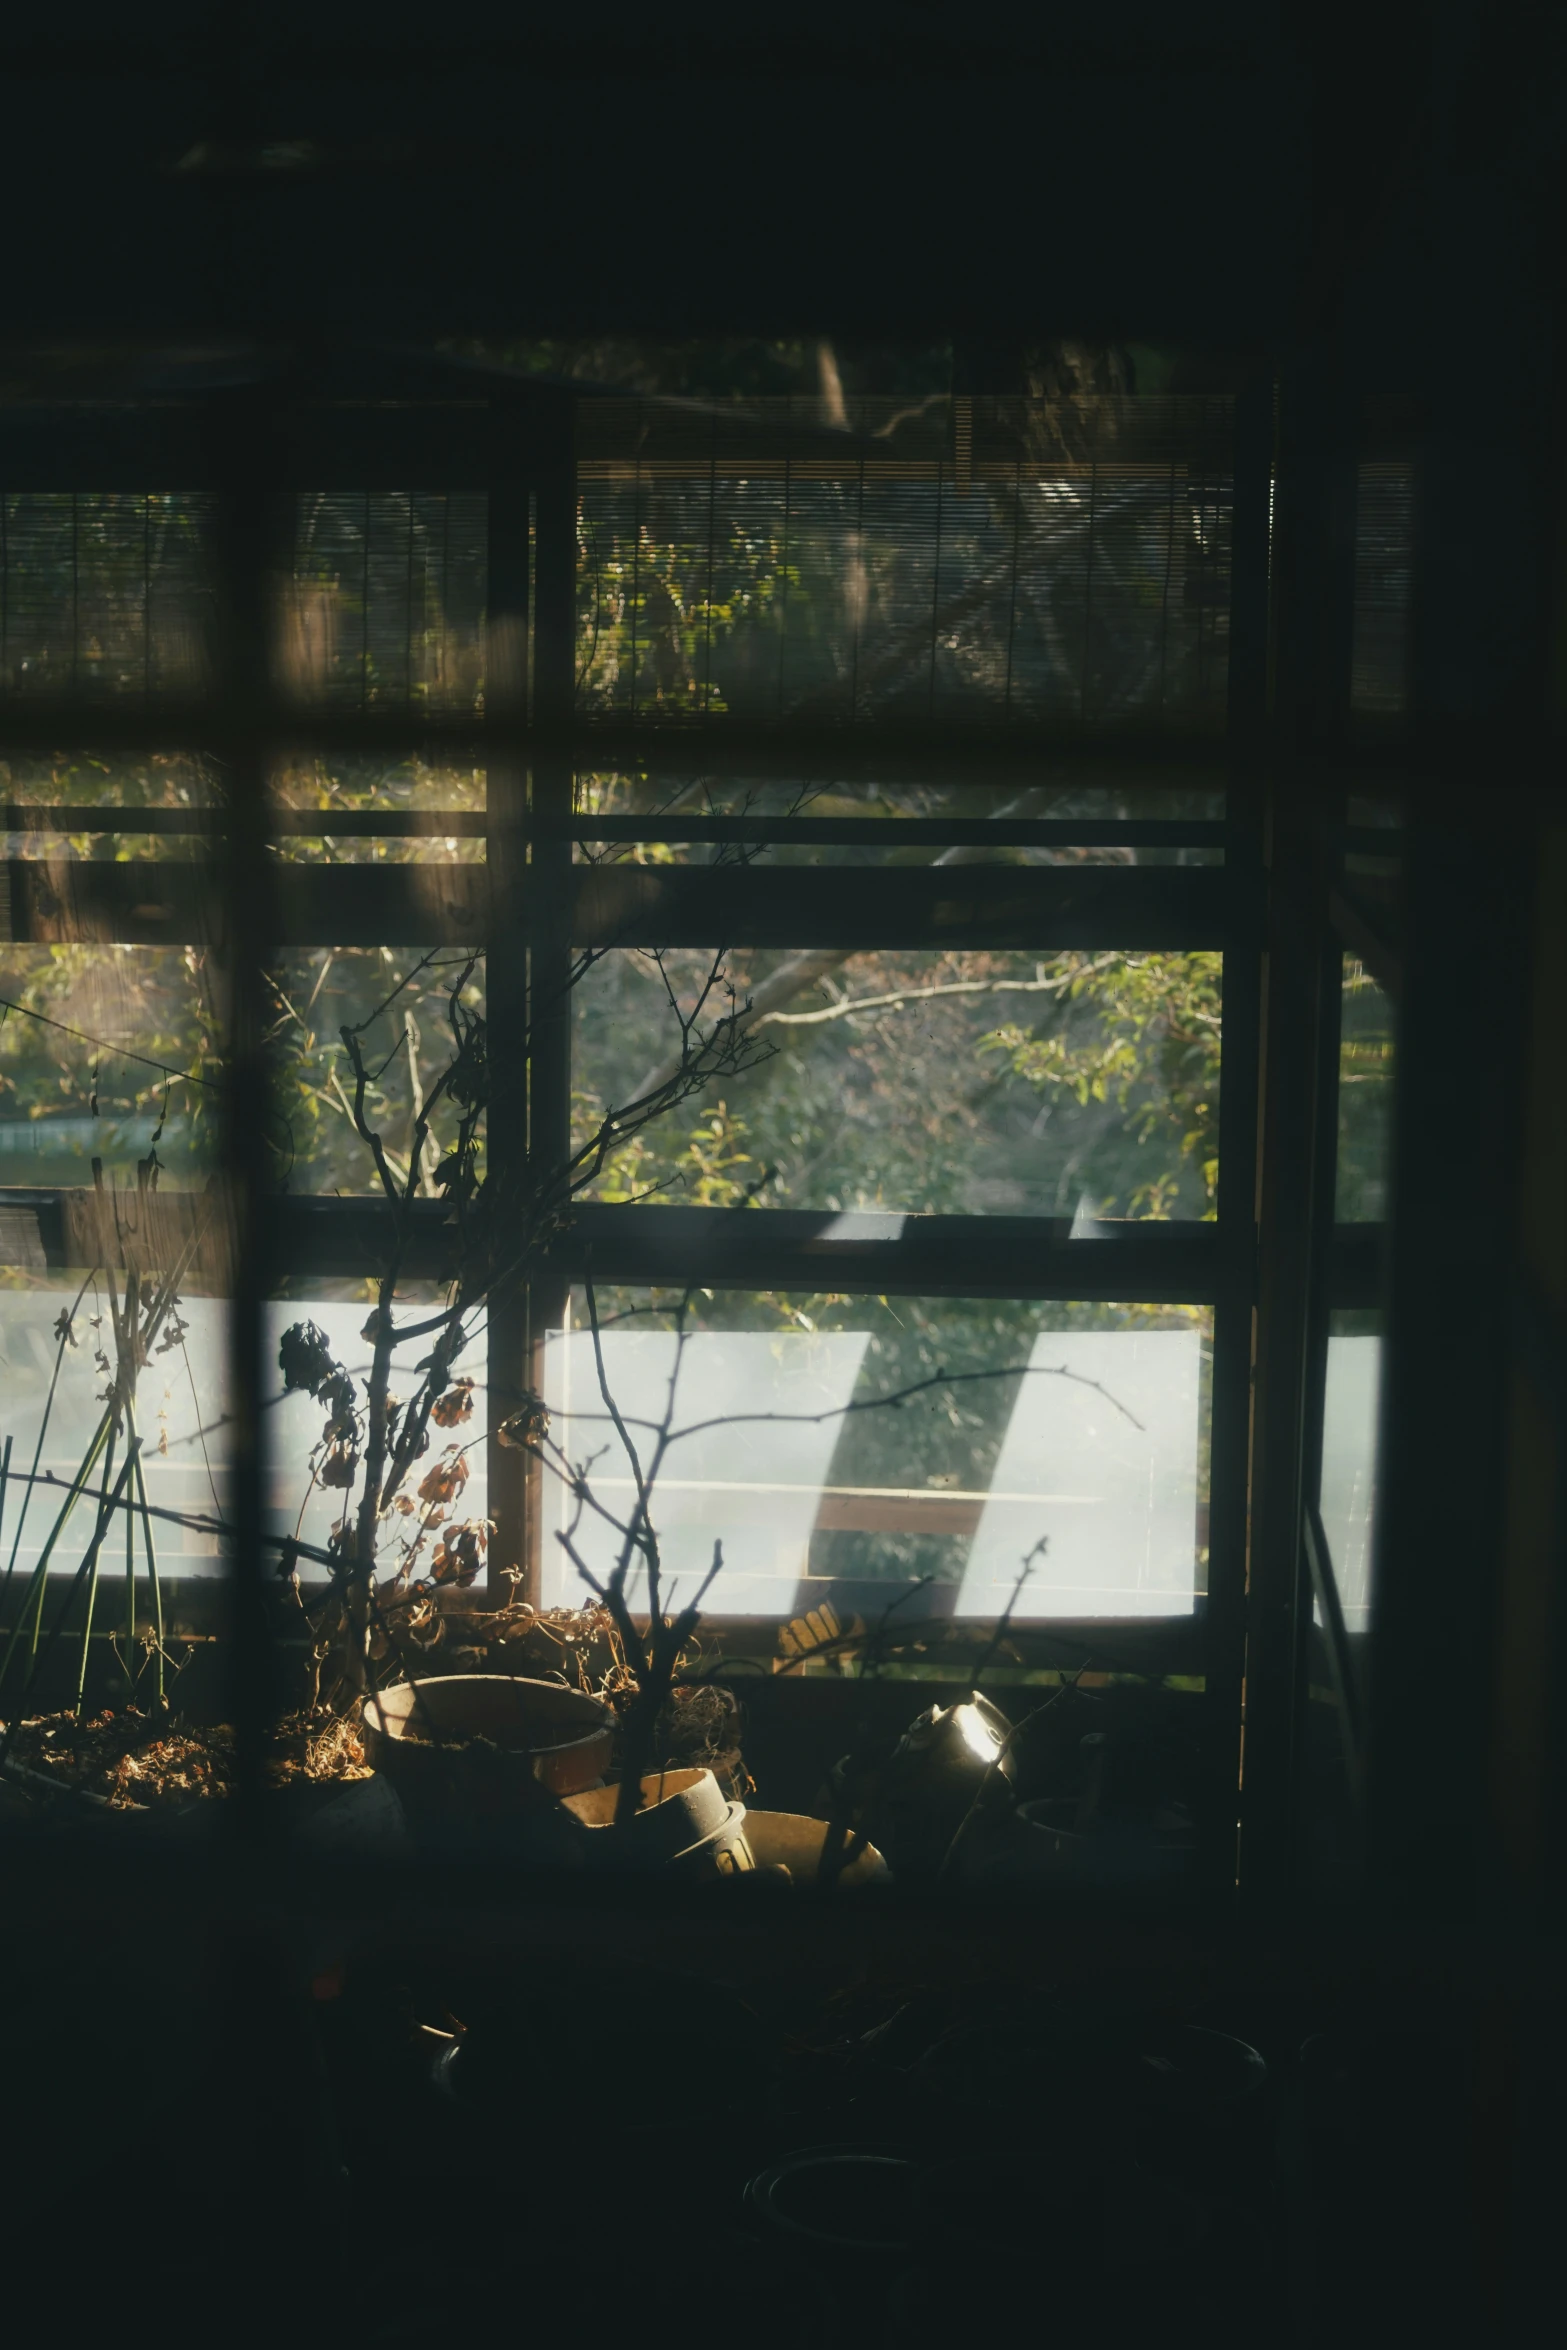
(143, 1321)
(372, 1443)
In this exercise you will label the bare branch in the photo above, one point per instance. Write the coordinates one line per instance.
(871, 1403)
(847, 1008)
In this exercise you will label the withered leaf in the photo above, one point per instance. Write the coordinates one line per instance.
(445, 1480)
(340, 1467)
(455, 1406)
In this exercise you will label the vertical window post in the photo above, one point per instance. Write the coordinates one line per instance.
(250, 934)
(506, 965)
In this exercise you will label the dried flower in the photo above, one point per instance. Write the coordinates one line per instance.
(455, 1406)
(305, 1360)
(526, 1426)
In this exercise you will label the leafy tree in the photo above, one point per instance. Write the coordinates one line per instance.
(1158, 1062)
(1365, 1099)
(893, 1084)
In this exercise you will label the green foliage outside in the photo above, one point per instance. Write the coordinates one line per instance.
(962, 1084)
(1365, 1099)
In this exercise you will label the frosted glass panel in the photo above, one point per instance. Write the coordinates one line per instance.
(181, 1407)
(1349, 1450)
(294, 1425)
(1110, 1485)
(180, 1403)
(756, 1487)
(1012, 1430)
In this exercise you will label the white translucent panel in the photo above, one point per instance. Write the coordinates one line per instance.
(1102, 1465)
(754, 1485)
(181, 1409)
(180, 1405)
(1349, 1459)
(294, 1423)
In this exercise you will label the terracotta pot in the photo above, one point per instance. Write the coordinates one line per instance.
(1204, 2106)
(682, 1822)
(486, 1745)
(839, 2200)
(790, 1840)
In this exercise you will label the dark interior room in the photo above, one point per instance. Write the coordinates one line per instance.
(866, 699)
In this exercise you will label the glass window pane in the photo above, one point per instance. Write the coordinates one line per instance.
(1384, 583)
(104, 595)
(1365, 1101)
(663, 800)
(181, 1405)
(109, 1052)
(301, 1504)
(923, 1082)
(339, 798)
(53, 1383)
(1071, 565)
(401, 998)
(1346, 1493)
(1349, 1459)
(386, 605)
(99, 807)
(1073, 1438)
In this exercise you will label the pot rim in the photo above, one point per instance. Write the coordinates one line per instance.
(392, 1727)
(761, 2189)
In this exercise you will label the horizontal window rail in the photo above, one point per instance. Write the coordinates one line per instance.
(876, 748)
(171, 902)
(1017, 1256)
(891, 832)
(61, 1229)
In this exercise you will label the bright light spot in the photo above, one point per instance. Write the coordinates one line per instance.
(981, 1741)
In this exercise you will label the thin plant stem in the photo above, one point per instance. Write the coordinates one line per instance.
(89, 1562)
(148, 1546)
(95, 1548)
(33, 1603)
(130, 1601)
(156, 1586)
(38, 1449)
